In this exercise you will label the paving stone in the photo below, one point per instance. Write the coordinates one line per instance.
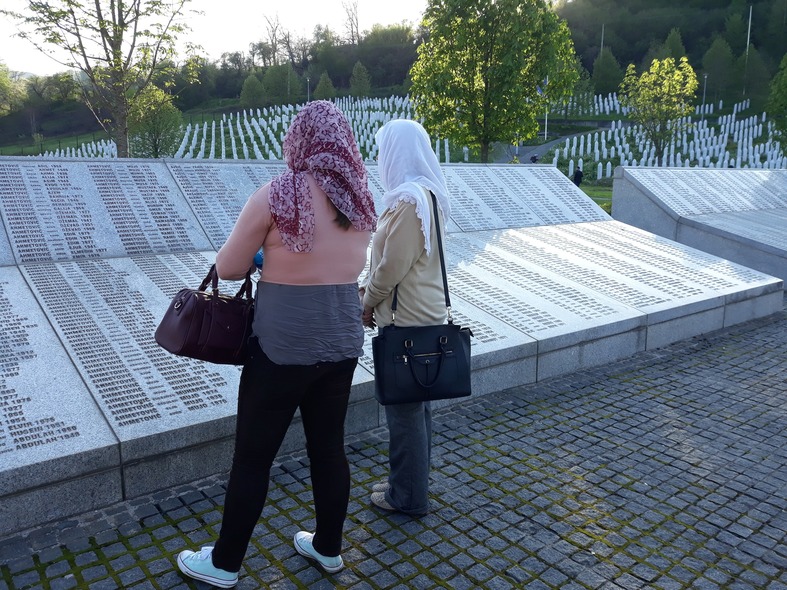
(105, 584)
(584, 481)
(63, 583)
(131, 576)
(20, 564)
(26, 579)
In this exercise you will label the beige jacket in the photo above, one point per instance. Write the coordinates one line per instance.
(399, 258)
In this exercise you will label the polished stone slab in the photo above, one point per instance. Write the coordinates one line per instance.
(78, 209)
(217, 191)
(504, 197)
(737, 214)
(105, 313)
(51, 429)
(6, 256)
(547, 282)
(697, 191)
(763, 228)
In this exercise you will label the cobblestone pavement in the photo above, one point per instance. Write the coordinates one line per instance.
(666, 470)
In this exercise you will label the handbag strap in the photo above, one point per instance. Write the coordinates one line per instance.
(442, 269)
(213, 279)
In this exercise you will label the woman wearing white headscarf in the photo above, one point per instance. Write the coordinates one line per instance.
(404, 254)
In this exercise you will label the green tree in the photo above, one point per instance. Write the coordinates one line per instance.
(282, 84)
(777, 99)
(607, 73)
(754, 76)
(478, 75)
(325, 89)
(360, 85)
(10, 91)
(155, 124)
(252, 95)
(329, 55)
(233, 70)
(584, 83)
(388, 53)
(195, 83)
(56, 88)
(673, 45)
(775, 39)
(735, 33)
(719, 64)
(659, 98)
(657, 51)
(118, 45)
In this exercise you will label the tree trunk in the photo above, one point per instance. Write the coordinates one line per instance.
(484, 153)
(120, 125)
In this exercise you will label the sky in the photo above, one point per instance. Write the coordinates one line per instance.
(229, 25)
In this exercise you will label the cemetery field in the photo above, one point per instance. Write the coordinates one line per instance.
(735, 140)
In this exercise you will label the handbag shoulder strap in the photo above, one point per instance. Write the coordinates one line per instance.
(442, 269)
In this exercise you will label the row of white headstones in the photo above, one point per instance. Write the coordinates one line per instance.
(260, 134)
(598, 104)
(732, 143)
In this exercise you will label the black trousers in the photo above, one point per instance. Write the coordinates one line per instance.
(267, 399)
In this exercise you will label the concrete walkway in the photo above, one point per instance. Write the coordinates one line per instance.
(666, 470)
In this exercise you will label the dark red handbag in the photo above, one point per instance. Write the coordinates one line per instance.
(209, 326)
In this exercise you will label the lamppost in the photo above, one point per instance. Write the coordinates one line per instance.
(704, 88)
(308, 87)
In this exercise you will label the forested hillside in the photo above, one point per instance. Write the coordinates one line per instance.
(281, 68)
(633, 27)
(713, 34)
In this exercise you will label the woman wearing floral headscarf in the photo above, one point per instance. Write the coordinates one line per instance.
(314, 224)
(404, 254)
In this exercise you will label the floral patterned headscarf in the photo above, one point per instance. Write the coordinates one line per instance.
(320, 141)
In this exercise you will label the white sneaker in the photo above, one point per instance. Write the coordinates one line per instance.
(200, 567)
(303, 545)
(383, 486)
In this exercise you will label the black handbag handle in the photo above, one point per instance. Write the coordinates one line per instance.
(213, 279)
(442, 269)
(443, 353)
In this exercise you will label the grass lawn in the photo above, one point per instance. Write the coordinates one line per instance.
(601, 194)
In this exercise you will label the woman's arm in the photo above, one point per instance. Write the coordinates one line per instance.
(236, 256)
(403, 246)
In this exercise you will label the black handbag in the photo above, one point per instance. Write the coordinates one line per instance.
(209, 326)
(422, 363)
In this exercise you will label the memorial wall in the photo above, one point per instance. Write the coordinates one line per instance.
(737, 214)
(92, 411)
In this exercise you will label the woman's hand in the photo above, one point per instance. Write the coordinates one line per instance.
(368, 317)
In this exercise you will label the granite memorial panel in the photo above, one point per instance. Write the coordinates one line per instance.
(537, 301)
(549, 194)
(6, 256)
(217, 191)
(105, 312)
(736, 214)
(699, 191)
(80, 209)
(767, 227)
(545, 279)
(479, 201)
(51, 429)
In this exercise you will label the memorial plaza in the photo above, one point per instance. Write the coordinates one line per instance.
(626, 429)
(664, 470)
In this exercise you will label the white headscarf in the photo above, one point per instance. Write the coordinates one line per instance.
(406, 163)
